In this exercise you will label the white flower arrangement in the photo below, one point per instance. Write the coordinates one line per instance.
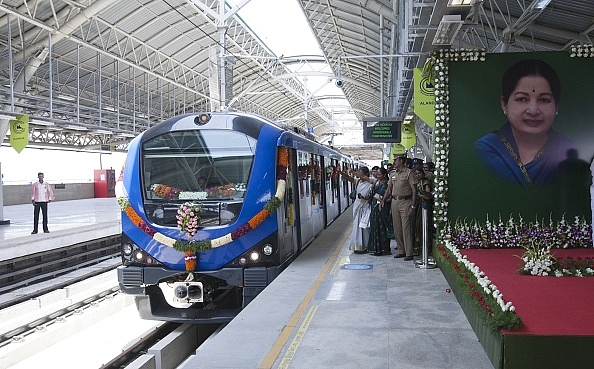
(537, 261)
(582, 51)
(188, 195)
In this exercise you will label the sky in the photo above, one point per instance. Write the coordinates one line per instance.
(280, 24)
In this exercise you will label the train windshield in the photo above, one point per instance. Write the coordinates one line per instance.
(207, 166)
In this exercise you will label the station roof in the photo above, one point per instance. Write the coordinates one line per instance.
(121, 66)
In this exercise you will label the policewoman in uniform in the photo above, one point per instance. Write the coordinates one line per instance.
(402, 185)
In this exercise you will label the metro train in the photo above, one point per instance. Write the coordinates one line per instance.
(215, 206)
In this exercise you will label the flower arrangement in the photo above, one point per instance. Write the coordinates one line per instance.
(166, 192)
(539, 261)
(189, 248)
(189, 195)
(583, 51)
(221, 191)
(487, 299)
(188, 217)
(517, 233)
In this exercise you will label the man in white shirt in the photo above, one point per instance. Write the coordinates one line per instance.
(41, 195)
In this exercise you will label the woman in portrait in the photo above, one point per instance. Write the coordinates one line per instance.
(526, 150)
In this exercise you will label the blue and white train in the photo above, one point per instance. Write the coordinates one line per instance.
(231, 165)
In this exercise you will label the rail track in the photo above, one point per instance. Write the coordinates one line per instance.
(29, 270)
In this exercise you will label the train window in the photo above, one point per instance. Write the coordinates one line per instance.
(210, 166)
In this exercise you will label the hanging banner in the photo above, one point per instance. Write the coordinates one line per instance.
(424, 98)
(19, 132)
(396, 149)
(409, 138)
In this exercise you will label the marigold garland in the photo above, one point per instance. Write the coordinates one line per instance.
(190, 247)
(191, 259)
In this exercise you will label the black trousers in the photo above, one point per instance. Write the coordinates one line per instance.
(43, 207)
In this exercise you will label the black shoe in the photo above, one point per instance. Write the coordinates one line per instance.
(377, 254)
(45, 231)
(408, 258)
(398, 256)
(34, 232)
(387, 253)
(360, 251)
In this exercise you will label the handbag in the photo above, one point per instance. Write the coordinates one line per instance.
(353, 195)
(365, 215)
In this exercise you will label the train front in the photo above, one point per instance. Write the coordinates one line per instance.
(199, 195)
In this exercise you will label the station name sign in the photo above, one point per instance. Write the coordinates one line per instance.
(381, 130)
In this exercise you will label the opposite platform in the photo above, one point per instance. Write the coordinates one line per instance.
(334, 309)
(70, 222)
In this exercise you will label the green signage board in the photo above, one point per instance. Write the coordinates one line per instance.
(381, 130)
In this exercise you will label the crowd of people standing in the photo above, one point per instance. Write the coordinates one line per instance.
(388, 204)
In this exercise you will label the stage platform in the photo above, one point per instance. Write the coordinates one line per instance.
(334, 309)
(557, 329)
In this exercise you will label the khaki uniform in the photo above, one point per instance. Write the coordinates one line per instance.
(401, 202)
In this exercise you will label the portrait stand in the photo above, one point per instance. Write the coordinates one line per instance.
(425, 262)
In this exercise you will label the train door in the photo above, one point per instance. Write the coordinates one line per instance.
(331, 184)
(292, 202)
(305, 170)
(288, 242)
(317, 198)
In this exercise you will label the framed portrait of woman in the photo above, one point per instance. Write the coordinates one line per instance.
(520, 135)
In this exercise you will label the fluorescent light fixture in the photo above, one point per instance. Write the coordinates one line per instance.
(7, 117)
(101, 132)
(129, 135)
(109, 108)
(458, 3)
(75, 128)
(40, 122)
(67, 98)
(448, 29)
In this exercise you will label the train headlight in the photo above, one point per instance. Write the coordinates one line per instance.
(188, 292)
(180, 292)
(202, 119)
(267, 249)
(254, 256)
(127, 249)
(139, 256)
(242, 261)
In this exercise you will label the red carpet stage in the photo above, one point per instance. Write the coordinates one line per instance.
(557, 312)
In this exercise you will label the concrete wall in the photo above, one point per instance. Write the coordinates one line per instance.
(21, 194)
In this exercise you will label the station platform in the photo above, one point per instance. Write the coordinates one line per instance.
(70, 222)
(332, 308)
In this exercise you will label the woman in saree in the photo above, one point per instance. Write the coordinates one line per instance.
(380, 221)
(359, 237)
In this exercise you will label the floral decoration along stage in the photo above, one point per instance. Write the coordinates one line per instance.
(191, 247)
(484, 295)
(537, 239)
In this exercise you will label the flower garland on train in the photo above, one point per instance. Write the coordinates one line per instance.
(190, 248)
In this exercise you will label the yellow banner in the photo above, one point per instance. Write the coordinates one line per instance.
(424, 98)
(396, 149)
(19, 132)
(409, 138)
